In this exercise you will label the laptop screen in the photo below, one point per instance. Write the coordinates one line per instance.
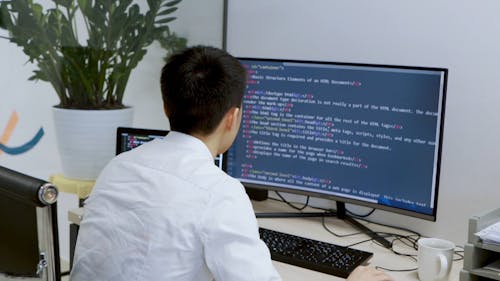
(130, 138)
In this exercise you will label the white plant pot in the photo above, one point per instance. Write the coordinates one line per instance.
(86, 139)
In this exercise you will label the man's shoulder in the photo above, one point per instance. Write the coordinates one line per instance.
(228, 189)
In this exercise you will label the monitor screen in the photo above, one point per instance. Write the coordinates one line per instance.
(129, 138)
(363, 134)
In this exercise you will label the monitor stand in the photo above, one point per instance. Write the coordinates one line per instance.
(341, 213)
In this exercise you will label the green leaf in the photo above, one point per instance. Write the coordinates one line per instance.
(2, 24)
(134, 11)
(38, 75)
(167, 11)
(64, 3)
(94, 75)
(120, 10)
(154, 4)
(165, 20)
(172, 3)
(84, 6)
(37, 11)
(4, 16)
(54, 26)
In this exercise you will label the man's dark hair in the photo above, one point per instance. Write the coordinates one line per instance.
(199, 86)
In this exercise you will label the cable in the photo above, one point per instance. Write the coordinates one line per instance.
(361, 216)
(460, 256)
(360, 242)
(407, 240)
(459, 253)
(396, 270)
(357, 216)
(411, 242)
(282, 199)
(414, 241)
(336, 234)
(313, 207)
(397, 238)
(291, 205)
(391, 226)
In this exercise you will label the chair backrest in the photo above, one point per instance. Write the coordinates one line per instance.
(29, 245)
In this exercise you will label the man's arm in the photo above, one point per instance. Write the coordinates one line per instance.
(232, 246)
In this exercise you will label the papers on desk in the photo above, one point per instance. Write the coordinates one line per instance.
(491, 234)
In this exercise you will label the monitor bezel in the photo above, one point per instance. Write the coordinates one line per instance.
(429, 217)
(138, 131)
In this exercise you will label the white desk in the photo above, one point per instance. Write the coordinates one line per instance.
(312, 228)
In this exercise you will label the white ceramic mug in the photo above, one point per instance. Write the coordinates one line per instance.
(435, 257)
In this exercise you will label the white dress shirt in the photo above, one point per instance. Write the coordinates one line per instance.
(164, 211)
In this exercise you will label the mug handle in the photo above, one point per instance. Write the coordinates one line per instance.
(443, 266)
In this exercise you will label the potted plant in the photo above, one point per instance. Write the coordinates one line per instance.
(89, 76)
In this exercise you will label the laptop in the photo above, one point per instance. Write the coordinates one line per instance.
(128, 138)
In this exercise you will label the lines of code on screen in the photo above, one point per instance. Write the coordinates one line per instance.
(131, 141)
(364, 132)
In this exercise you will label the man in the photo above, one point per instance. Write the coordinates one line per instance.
(164, 211)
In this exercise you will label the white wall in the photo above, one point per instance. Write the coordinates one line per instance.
(199, 21)
(459, 35)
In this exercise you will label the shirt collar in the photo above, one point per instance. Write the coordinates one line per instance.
(189, 141)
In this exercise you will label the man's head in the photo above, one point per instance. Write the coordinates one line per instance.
(199, 87)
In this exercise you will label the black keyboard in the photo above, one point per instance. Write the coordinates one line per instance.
(313, 254)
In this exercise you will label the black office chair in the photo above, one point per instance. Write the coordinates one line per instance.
(29, 244)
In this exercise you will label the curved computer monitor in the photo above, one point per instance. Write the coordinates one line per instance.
(356, 133)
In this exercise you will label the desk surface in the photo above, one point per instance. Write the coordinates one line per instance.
(313, 228)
